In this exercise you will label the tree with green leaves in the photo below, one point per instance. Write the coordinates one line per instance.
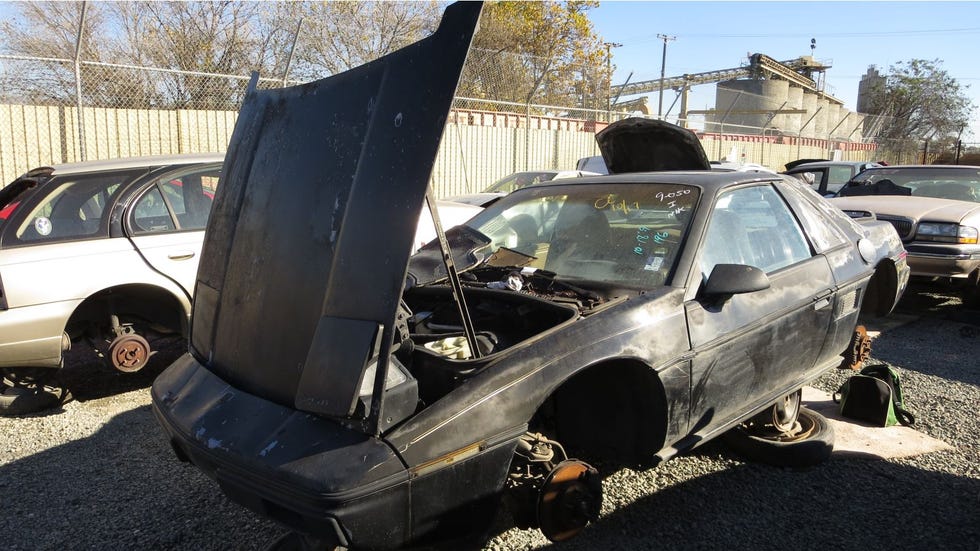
(920, 101)
(538, 52)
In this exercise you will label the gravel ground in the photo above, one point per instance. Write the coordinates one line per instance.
(99, 473)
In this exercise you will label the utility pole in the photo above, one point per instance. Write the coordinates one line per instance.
(609, 46)
(959, 144)
(663, 67)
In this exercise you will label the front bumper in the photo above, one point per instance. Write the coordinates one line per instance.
(307, 472)
(936, 260)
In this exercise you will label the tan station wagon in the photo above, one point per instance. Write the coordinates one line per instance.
(104, 252)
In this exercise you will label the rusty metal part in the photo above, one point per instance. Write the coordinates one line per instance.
(569, 499)
(129, 353)
(786, 411)
(802, 429)
(858, 351)
(533, 463)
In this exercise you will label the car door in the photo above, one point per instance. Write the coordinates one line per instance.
(167, 219)
(756, 346)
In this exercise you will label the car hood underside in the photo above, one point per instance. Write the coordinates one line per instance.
(305, 254)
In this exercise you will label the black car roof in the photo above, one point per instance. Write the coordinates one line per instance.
(925, 167)
(709, 180)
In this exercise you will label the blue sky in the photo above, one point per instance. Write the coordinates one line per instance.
(850, 35)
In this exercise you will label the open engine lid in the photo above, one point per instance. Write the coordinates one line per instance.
(306, 249)
(645, 145)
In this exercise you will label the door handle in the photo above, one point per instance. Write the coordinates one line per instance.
(182, 255)
(822, 300)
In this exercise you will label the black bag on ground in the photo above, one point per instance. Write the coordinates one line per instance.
(874, 396)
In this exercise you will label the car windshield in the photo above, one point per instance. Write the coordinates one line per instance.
(622, 234)
(962, 184)
(518, 180)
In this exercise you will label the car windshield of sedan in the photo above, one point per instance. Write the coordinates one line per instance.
(944, 183)
(622, 234)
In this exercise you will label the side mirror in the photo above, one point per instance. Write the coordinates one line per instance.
(734, 279)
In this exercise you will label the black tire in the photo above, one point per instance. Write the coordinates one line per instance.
(971, 295)
(20, 400)
(813, 447)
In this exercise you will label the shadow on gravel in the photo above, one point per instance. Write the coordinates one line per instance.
(120, 488)
(935, 301)
(838, 505)
(937, 347)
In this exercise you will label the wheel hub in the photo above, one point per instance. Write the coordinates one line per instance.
(570, 498)
(129, 353)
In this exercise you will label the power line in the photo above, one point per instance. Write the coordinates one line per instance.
(965, 30)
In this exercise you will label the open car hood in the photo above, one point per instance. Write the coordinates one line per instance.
(306, 249)
(645, 145)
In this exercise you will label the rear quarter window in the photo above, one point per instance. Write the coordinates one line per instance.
(72, 207)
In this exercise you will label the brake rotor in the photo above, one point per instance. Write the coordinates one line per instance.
(129, 353)
(569, 499)
(858, 351)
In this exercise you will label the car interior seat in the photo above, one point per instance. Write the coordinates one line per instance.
(888, 187)
(196, 204)
(581, 231)
(526, 229)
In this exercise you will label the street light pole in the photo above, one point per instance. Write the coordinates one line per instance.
(663, 66)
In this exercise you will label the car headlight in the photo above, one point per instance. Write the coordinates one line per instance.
(946, 233)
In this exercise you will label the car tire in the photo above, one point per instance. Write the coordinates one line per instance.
(812, 447)
(20, 400)
(971, 294)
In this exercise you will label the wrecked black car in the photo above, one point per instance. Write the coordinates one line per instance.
(370, 400)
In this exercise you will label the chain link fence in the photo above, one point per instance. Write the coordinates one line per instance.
(56, 111)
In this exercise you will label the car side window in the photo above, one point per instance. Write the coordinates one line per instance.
(813, 212)
(150, 214)
(753, 226)
(74, 208)
(178, 201)
(839, 175)
(811, 178)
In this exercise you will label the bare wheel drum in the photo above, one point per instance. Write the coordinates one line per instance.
(786, 411)
(129, 353)
(570, 498)
(858, 351)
